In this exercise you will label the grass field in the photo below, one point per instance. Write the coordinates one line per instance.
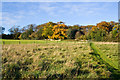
(64, 59)
(4, 41)
(25, 41)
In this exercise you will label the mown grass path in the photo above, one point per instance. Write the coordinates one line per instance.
(103, 56)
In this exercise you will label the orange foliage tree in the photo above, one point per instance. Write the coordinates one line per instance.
(59, 31)
(105, 25)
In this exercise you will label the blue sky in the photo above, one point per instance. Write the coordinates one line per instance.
(82, 13)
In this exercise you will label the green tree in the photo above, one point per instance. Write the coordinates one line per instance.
(37, 35)
(15, 32)
(71, 33)
(27, 33)
(96, 34)
(2, 29)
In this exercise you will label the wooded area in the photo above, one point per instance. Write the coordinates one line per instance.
(103, 31)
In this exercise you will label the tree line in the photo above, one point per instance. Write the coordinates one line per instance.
(103, 31)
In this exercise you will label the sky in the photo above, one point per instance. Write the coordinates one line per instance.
(72, 13)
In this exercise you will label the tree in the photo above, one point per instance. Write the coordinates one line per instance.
(2, 29)
(37, 35)
(106, 25)
(76, 27)
(78, 34)
(59, 31)
(96, 34)
(27, 33)
(15, 32)
(47, 30)
(114, 33)
(71, 33)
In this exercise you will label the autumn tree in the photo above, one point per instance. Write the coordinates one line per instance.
(59, 31)
(106, 25)
(113, 35)
(47, 30)
(103, 31)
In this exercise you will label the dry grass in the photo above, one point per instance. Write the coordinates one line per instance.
(53, 59)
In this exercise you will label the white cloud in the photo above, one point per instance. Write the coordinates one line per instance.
(86, 8)
(48, 8)
(10, 19)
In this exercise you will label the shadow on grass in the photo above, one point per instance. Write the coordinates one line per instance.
(69, 73)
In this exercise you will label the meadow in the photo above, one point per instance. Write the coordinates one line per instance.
(12, 41)
(55, 59)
